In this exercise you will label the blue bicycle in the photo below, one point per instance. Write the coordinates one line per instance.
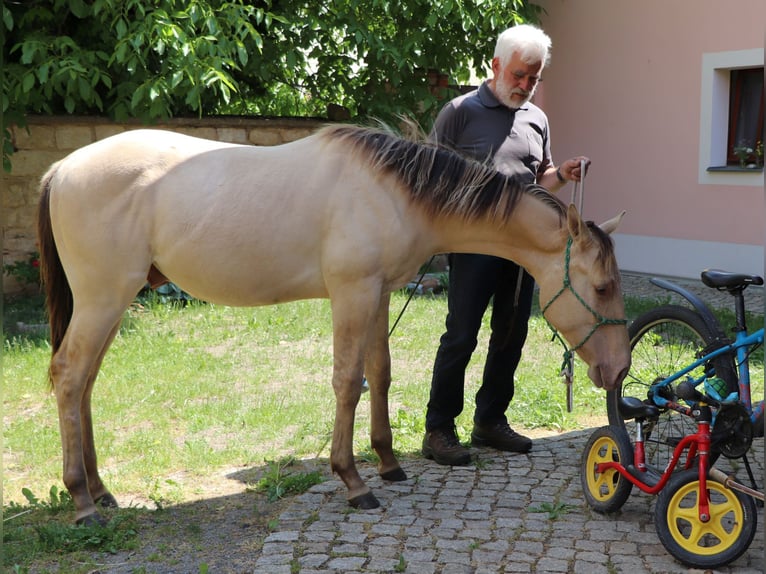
(674, 344)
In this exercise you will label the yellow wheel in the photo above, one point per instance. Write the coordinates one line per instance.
(606, 491)
(704, 544)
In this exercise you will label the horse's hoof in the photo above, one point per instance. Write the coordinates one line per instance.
(94, 519)
(107, 501)
(364, 501)
(394, 475)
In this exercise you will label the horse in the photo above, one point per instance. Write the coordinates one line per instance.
(348, 213)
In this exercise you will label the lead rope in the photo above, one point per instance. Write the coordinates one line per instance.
(567, 366)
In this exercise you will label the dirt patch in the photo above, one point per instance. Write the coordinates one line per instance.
(219, 526)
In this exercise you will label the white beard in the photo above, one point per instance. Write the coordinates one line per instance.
(503, 92)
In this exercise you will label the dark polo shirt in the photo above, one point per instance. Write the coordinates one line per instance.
(478, 125)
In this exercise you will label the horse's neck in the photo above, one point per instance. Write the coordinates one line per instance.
(530, 237)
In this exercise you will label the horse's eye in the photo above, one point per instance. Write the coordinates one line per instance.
(602, 290)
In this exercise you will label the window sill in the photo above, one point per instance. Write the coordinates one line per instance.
(735, 169)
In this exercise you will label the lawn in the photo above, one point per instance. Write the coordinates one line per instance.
(202, 386)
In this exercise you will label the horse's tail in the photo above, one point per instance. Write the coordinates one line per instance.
(58, 293)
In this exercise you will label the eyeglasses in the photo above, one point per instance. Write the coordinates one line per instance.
(534, 80)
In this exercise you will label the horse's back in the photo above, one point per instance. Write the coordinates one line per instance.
(235, 224)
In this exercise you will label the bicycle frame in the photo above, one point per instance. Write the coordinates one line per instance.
(697, 443)
(740, 347)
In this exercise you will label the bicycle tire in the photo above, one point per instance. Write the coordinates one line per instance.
(704, 545)
(683, 335)
(606, 492)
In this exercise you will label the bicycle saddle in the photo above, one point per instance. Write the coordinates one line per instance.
(728, 280)
(633, 408)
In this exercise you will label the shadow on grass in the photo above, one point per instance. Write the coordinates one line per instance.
(224, 530)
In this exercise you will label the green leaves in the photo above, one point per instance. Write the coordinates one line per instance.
(153, 60)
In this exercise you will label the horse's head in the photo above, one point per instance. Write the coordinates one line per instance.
(582, 299)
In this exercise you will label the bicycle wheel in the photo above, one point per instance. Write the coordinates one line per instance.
(663, 341)
(606, 491)
(705, 545)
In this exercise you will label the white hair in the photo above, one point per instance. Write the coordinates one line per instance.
(531, 43)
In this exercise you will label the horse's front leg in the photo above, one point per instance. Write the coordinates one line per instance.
(377, 368)
(353, 313)
(347, 392)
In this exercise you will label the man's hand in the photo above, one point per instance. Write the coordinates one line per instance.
(570, 169)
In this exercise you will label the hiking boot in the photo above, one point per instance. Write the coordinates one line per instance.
(443, 446)
(500, 436)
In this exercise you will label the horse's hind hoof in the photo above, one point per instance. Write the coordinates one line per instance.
(107, 501)
(364, 501)
(394, 475)
(94, 519)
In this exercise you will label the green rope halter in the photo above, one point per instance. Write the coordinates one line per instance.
(600, 319)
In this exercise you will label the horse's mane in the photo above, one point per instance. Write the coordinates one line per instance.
(443, 181)
(440, 180)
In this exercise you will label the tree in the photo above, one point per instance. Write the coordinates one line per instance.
(131, 58)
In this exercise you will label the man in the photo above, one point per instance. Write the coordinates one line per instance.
(496, 121)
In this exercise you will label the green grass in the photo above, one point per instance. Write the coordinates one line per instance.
(279, 481)
(187, 391)
(35, 528)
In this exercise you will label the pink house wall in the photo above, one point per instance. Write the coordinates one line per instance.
(625, 87)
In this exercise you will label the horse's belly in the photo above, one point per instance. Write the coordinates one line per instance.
(239, 285)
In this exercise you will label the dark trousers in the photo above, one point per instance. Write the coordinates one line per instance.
(474, 281)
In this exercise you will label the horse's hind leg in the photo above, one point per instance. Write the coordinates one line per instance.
(73, 372)
(98, 491)
(378, 372)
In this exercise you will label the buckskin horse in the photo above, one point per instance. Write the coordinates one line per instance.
(348, 213)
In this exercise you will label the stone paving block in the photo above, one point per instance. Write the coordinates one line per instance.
(487, 557)
(457, 569)
(382, 565)
(527, 547)
(289, 536)
(517, 568)
(563, 553)
(347, 563)
(581, 567)
(313, 560)
(552, 565)
(419, 555)
(420, 568)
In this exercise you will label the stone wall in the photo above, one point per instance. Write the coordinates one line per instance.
(48, 139)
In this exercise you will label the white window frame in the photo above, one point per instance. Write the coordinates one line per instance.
(714, 116)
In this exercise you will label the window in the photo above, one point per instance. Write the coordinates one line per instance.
(729, 112)
(745, 115)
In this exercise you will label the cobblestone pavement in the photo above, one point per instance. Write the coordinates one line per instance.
(639, 286)
(505, 513)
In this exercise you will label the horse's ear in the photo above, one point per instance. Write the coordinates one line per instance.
(574, 222)
(611, 225)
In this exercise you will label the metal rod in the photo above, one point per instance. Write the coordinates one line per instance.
(578, 191)
(729, 482)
